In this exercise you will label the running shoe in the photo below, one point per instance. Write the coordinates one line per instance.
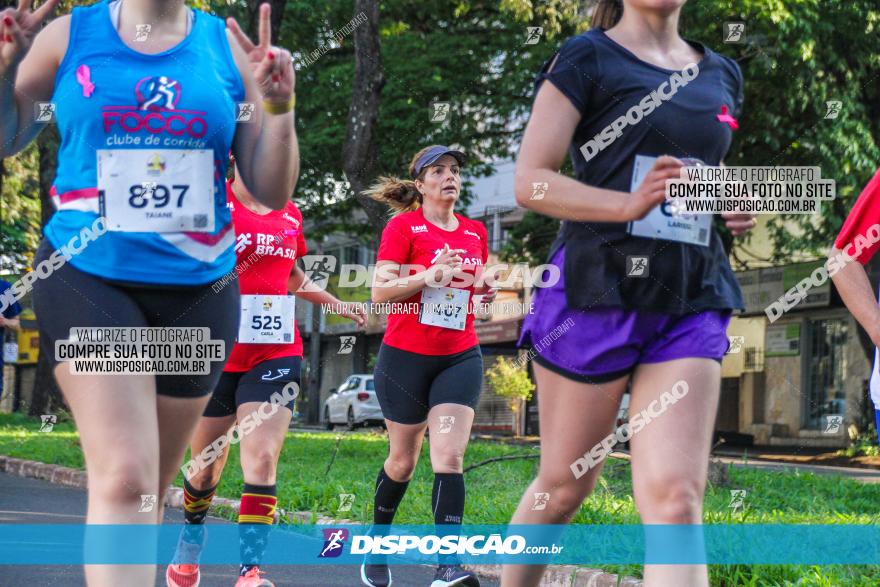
(253, 579)
(448, 575)
(375, 575)
(182, 576)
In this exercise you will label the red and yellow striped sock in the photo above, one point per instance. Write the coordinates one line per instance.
(258, 503)
(196, 502)
(256, 514)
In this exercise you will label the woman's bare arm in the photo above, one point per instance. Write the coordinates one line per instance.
(34, 75)
(544, 148)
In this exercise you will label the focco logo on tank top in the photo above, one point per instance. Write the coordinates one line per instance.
(155, 112)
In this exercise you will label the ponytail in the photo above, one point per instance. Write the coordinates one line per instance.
(400, 195)
(607, 13)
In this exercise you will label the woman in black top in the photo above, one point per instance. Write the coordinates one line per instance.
(644, 298)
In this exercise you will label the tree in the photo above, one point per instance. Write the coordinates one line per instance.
(359, 149)
(530, 239)
(19, 211)
(796, 56)
(46, 391)
(511, 381)
(471, 55)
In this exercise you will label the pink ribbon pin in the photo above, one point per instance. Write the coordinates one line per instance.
(725, 117)
(83, 77)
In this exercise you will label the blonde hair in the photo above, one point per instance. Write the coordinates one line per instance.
(400, 195)
(607, 13)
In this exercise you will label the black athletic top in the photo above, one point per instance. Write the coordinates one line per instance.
(691, 113)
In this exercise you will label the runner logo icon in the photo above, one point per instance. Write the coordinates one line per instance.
(832, 424)
(334, 539)
(148, 502)
(47, 422)
(157, 91)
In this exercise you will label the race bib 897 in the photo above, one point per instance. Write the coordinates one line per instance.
(162, 190)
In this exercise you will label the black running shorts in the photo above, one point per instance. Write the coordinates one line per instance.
(256, 385)
(70, 298)
(409, 384)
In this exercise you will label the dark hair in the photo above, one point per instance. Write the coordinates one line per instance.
(607, 13)
(401, 195)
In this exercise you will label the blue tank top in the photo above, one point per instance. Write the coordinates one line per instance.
(109, 96)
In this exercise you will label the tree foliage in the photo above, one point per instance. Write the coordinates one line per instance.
(510, 381)
(795, 55)
(19, 210)
(470, 54)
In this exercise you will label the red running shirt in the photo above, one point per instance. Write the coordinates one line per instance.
(864, 215)
(410, 239)
(266, 249)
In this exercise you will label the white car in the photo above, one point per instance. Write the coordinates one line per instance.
(353, 403)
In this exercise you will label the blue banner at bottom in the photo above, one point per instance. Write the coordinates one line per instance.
(65, 544)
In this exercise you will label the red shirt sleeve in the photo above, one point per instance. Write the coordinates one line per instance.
(301, 247)
(395, 244)
(864, 214)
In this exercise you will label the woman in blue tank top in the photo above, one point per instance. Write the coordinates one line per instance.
(644, 299)
(149, 97)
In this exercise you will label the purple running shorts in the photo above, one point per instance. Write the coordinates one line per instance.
(605, 343)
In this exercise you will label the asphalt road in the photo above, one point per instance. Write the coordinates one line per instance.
(34, 501)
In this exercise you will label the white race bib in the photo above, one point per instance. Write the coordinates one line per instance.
(445, 307)
(661, 222)
(161, 190)
(10, 353)
(266, 319)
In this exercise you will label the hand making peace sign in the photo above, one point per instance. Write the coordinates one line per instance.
(272, 66)
(18, 27)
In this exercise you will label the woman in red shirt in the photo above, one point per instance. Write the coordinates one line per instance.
(259, 383)
(429, 370)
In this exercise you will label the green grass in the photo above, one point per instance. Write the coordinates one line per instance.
(308, 481)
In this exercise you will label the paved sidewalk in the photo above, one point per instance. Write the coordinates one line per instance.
(854, 473)
(35, 501)
(26, 487)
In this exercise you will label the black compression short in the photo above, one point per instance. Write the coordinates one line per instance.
(70, 298)
(409, 384)
(256, 385)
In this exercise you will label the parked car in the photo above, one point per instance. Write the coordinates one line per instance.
(353, 403)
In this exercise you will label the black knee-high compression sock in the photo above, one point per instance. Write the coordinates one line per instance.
(447, 501)
(387, 498)
(389, 494)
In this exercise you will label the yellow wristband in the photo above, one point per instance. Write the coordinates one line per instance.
(279, 107)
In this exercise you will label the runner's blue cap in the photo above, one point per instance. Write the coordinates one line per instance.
(431, 155)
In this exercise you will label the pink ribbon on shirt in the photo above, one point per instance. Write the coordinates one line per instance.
(724, 116)
(83, 77)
